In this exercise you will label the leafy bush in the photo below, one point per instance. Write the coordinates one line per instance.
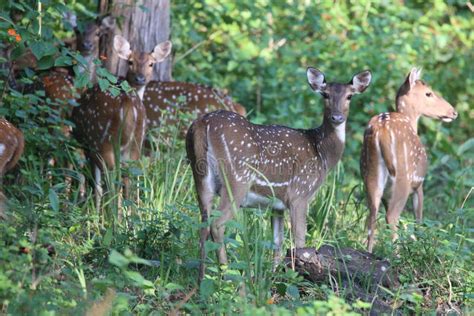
(58, 254)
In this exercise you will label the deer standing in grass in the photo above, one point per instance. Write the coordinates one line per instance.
(267, 165)
(104, 121)
(11, 148)
(393, 156)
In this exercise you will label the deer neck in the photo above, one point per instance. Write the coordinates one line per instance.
(329, 141)
(403, 106)
(141, 92)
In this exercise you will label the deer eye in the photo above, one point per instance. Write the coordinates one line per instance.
(349, 97)
(130, 62)
(429, 94)
(325, 95)
(151, 64)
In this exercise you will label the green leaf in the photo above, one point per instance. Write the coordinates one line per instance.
(46, 62)
(53, 200)
(81, 80)
(62, 61)
(138, 279)
(117, 259)
(107, 240)
(41, 49)
(293, 291)
(103, 84)
(211, 246)
(206, 288)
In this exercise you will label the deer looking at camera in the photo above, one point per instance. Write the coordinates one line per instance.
(11, 148)
(104, 121)
(393, 156)
(59, 84)
(279, 167)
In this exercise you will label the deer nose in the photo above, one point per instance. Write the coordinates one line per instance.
(87, 45)
(337, 118)
(140, 78)
(455, 114)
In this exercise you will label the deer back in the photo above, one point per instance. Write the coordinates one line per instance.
(174, 97)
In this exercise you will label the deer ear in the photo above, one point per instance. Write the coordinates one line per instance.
(413, 76)
(361, 81)
(316, 79)
(107, 23)
(122, 47)
(161, 51)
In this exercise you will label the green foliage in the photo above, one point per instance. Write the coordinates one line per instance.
(259, 50)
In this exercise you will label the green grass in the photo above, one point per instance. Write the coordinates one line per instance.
(150, 258)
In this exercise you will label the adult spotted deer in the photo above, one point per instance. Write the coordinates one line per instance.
(11, 148)
(104, 121)
(272, 166)
(392, 153)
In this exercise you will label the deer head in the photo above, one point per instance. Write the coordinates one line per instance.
(88, 36)
(415, 98)
(140, 64)
(337, 96)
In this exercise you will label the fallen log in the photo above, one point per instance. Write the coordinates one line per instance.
(354, 273)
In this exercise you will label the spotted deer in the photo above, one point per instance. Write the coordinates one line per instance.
(173, 97)
(103, 120)
(11, 148)
(250, 165)
(393, 160)
(59, 84)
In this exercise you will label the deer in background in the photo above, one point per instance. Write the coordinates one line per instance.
(11, 148)
(187, 97)
(267, 165)
(393, 156)
(104, 121)
(59, 84)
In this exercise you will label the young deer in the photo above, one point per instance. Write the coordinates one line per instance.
(104, 121)
(11, 148)
(393, 153)
(187, 97)
(267, 165)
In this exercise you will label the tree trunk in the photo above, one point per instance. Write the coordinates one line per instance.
(144, 23)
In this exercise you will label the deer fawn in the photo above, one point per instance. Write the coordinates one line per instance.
(187, 97)
(104, 121)
(11, 148)
(267, 165)
(393, 153)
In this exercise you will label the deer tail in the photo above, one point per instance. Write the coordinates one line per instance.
(388, 153)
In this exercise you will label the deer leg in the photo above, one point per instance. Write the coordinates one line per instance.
(418, 204)
(226, 206)
(398, 200)
(205, 196)
(298, 212)
(374, 196)
(278, 231)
